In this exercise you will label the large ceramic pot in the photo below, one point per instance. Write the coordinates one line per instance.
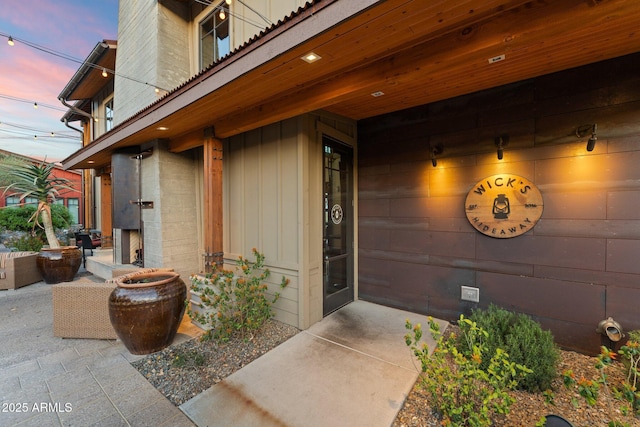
(146, 309)
(59, 264)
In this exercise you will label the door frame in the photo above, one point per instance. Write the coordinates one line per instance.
(336, 139)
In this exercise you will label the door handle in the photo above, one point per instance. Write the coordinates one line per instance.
(326, 266)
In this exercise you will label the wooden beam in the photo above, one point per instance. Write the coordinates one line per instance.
(186, 141)
(212, 199)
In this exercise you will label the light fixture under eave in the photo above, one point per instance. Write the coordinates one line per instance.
(435, 150)
(311, 57)
(10, 42)
(582, 131)
(162, 128)
(501, 142)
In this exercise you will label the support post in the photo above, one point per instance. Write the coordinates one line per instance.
(212, 200)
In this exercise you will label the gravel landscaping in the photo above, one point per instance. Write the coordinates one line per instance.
(529, 408)
(182, 371)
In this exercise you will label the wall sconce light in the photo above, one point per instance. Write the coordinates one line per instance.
(582, 131)
(435, 150)
(501, 142)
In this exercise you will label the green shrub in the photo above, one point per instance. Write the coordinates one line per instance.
(188, 359)
(236, 301)
(525, 342)
(28, 242)
(634, 335)
(17, 218)
(462, 392)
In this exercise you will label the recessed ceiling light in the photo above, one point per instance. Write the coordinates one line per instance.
(311, 57)
(90, 162)
(377, 94)
(162, 128)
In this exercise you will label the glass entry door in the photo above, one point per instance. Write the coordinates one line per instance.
(338, 225)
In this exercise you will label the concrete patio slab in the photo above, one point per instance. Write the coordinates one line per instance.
(351, 369)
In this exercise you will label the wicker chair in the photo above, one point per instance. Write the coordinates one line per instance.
(81, 307)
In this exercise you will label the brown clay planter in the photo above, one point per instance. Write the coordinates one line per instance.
(59, 264)
(146, 310)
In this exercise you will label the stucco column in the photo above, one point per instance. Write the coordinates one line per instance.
(212, 200)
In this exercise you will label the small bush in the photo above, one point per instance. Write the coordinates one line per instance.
(188, 359)
(462, 392)
(17, 218)
(525, 342)
(28, 242)
(237, 301)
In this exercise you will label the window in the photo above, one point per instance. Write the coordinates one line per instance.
(74, 209)
(15, 201)
(214, 36)
(108, 113)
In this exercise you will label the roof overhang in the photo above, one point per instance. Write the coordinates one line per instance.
(88, 79)
(406, 52)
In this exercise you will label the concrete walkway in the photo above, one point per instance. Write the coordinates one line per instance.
(351, 369)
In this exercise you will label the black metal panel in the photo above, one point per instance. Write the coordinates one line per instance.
(125, 179)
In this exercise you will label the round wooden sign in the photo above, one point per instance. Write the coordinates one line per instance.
(504, 206)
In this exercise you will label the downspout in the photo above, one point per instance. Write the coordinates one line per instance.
(66, 123)
(77, 111)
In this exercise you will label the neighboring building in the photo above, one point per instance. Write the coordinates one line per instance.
(91, 91)
(351, 170)
(72, 199)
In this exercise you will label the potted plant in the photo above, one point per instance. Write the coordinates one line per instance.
(35, 180)
(146, 309)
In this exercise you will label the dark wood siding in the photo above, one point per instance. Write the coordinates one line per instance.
(579, 265)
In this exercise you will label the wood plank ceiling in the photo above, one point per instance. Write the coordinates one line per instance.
(413, 51)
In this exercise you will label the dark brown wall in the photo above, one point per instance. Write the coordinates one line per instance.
(579, 265)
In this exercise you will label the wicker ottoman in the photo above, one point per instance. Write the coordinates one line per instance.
(81, 310)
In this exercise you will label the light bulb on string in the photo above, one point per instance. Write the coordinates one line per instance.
(227, 2)
(10, 41)
(35, 105)
(222, 15)
(104, 72)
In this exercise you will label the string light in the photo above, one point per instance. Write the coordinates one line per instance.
(10, 41)
(104, 72)
(240, 17)
(27, 101)
(76, 60)
(35, 105)
(221, 15)
(26, 130)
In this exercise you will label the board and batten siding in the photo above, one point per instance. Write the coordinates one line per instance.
(273, 202)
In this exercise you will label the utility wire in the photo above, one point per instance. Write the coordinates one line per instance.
(39, 104)
(76, 60)
(235, 15)
(55, 134)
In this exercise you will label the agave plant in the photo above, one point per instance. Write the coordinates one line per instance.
(36, 180)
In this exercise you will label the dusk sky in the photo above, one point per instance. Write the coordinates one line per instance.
(28, 75)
